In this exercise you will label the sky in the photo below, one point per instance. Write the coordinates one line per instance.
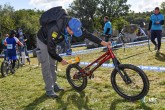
(136, 5)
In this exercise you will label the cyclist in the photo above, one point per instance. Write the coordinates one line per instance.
(11, 42)
(51, 34)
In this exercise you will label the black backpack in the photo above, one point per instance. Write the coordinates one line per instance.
(52, 15)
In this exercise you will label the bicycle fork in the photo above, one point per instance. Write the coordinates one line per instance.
(124, 76)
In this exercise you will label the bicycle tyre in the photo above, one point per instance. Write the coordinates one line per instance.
(4, 70)
(142, 75)
(68, 76)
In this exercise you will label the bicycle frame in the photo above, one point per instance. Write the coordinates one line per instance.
(105, 57)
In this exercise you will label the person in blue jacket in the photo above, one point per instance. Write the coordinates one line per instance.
(11, 42)
(155, 28)
(107, 28)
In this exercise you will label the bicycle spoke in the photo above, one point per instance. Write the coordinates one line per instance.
(133, 88)
(78, 81)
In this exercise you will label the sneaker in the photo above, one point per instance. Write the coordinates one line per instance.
(157, 51)
(156, 47)
(51, 94)
(57, 88)
(12, 71)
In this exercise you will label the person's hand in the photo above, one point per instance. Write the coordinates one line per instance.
(157, 22)
(25, 40)
(109, 45)
(63, 62)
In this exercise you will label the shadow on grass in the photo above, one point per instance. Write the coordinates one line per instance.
(78, 99)
(36, 102)
(5, 75)
(160, 57)
(115, 102)
(133, 55)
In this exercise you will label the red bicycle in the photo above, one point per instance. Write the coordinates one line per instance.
(129, 81)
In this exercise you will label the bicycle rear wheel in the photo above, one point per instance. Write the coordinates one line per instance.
(74, 77)
(4, 69)
(135, 84)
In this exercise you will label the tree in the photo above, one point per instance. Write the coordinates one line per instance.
(85, 10)
(113, 8)
(162, 7)
(28, 20)
(6, 17)
(92, 11)
(119, 23)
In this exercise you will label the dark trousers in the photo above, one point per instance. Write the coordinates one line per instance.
(156, 34)
(107, 38)
(13, 64)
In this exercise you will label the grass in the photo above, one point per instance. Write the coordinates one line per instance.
(24, 90)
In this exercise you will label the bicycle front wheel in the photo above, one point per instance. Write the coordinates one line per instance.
(130, 83)
(4, 68)
(74, 77)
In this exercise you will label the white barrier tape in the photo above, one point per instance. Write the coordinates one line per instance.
(137, 42)
(149, 68)
(129, 46)
(79, 45)
(81, 52)
(31, 51)
(90, 50)
(23, 57)
(125, 43)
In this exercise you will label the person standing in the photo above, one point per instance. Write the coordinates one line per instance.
(55, 24)
(155, 28)
(23, 51)
(107, 29)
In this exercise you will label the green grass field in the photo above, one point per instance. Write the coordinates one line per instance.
(24, 90)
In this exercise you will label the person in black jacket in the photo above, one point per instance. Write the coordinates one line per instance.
(48, 37)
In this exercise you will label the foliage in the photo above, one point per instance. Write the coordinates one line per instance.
(119, 23)
(162, 7)
(85, 10)
(92, 11)
(28, 20)
(6, 17)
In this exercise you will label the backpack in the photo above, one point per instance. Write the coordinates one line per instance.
(52, 15)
